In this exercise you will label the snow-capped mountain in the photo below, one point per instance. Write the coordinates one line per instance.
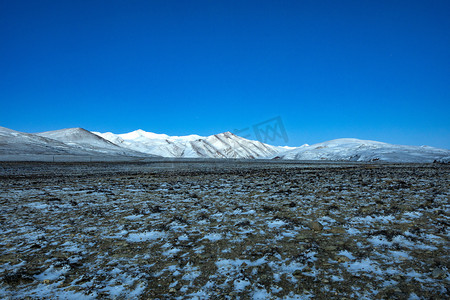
(14, 142)
(364, 150)
(72, 141)
(148, 142)
(86, 140)
(142, 144)
(223, 145)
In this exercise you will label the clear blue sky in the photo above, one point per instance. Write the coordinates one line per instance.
(375, 70)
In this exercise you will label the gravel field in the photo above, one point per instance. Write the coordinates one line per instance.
(224, 230)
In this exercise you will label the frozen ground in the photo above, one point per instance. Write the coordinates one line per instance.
(221, 230)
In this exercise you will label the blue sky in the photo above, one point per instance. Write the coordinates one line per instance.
(375, 70)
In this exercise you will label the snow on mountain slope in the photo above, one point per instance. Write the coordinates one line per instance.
(230, 145)
(363, 150)
(141, 135)
(14, 142)
(83, 139)
(111, 137)
(223, 145)
(77, 137)
(145, 142)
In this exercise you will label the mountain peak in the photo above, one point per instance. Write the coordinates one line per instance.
(73, 130)
(226, 134)
(142, 134)
(229, 133)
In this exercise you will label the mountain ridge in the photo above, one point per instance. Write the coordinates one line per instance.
(350, 149)
(140, 143)
(222, 145)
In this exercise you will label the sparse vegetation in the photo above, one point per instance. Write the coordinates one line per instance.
(215, 231)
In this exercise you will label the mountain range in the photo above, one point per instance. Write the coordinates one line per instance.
(78, 142)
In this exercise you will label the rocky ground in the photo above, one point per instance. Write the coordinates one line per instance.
(224, 231)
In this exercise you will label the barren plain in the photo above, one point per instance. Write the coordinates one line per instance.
(224, 230)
